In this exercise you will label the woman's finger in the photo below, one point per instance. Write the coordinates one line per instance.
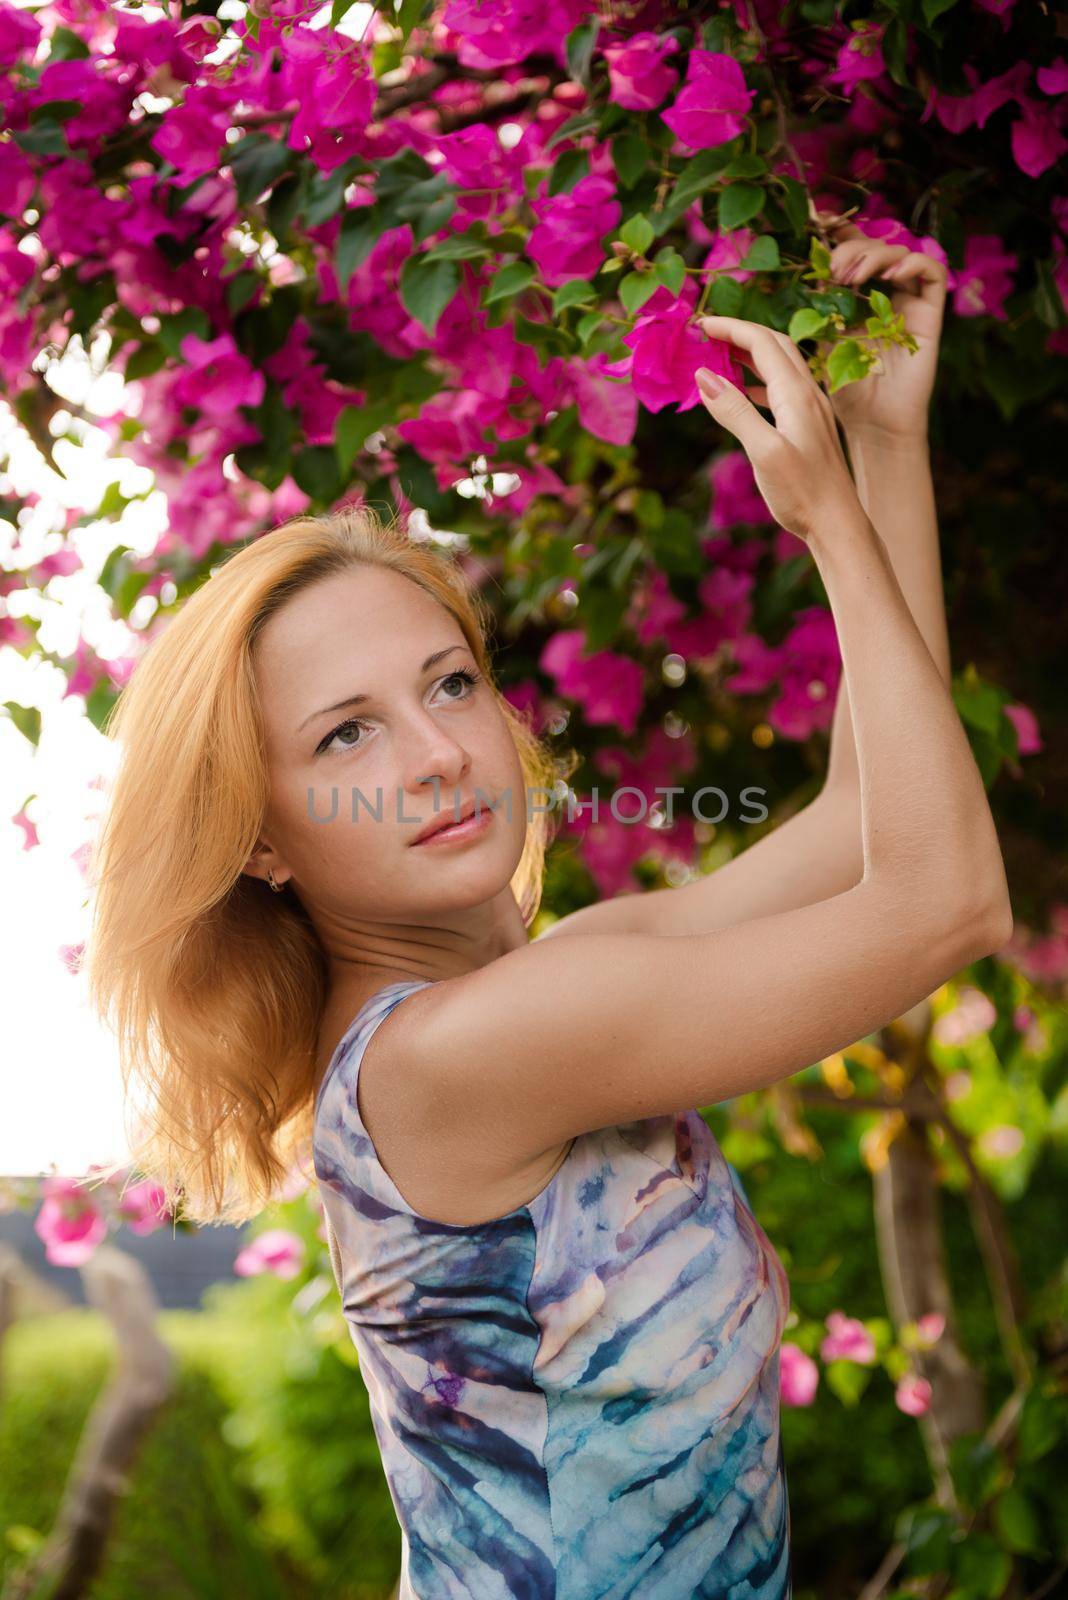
(760, 348)
(730, 407)
(920, 273)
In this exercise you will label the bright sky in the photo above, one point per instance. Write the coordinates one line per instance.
(60, 1089)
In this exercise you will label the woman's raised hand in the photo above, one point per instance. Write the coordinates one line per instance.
(891, 402)
(798, 464)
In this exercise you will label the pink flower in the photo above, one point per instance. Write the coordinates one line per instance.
(1053, 79)
(17, 180)
(807, 666)
(19, 33)
(566, 242)
(68, 1222)
(711, 107)
(21, 820)
(606, 685)
(847, 1340)
(1025, 722)
(931, 1327)
(1001, 1142)
(1037, 141)
(735, 496)
(638, 75)
(860, 57)
(667, 349)
(607, 408)
(219, 379)
(913, 1395)
(985, 279)
(60, 564)
(799, 1376)
(972, 1015)
(71, 956)
(142, 1207)
(277, 1251)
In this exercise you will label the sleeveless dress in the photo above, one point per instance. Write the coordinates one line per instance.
(578, 1400)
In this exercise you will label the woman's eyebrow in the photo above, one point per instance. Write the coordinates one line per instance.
(358, 699)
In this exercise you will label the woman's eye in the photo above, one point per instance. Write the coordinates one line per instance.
(342, 728)
(466, 677)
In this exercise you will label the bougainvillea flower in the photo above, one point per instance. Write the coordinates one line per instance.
(913, 1395)
(711, 107)
(1028, 738)
(277, 1251)
(735, 496)
(799, 1375)
(667, 347)
(860, 57)
(219, 378)
(846, 1340)
(68, 1222)
(638, 75)
(566, 242)
(984, 282)
(608, 686)
(142, 1206)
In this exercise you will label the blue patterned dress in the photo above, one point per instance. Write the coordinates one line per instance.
(578, 1400)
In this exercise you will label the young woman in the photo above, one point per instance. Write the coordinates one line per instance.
(567, 1317)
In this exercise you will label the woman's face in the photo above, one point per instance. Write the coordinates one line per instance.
(352, 702)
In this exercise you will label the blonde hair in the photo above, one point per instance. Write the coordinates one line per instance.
(214, 985)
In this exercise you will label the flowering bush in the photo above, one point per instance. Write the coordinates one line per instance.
(450, 257)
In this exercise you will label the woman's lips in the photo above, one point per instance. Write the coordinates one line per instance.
(457, 832)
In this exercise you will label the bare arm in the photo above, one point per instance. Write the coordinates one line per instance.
(566, 1035)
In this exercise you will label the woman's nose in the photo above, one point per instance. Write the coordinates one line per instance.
(433, 754)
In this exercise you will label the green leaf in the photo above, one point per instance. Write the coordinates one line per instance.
(426, 287)
(174, 325)
(145, 360)
(409, 16)
(740, 204)
(670, 269)
(933, 9)
(567, 170)
(282, 204)
(978, 703)
(763, 254)
(636, 288)
(630, 157)
(27, 720)
(882, 305)
(795, 202)
(726, 296)
(580, 43)
(510, 280)
(1017, 1523)
(637, 233)
(360, 231)
(315, 470)
(587, 326)
(746, 165)
(848, 1380)
(339, 10)
(458, 247)
(575, 292)
(846, 363)
(582, 122)
(240, 289)
(256, 161)
(99, 701)
(1046, 299)
(806, 324)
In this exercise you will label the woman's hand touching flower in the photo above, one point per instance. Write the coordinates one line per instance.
(891, 403)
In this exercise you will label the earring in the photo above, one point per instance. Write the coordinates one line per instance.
(277, 887)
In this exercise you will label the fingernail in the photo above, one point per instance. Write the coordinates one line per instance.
(709, 380)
